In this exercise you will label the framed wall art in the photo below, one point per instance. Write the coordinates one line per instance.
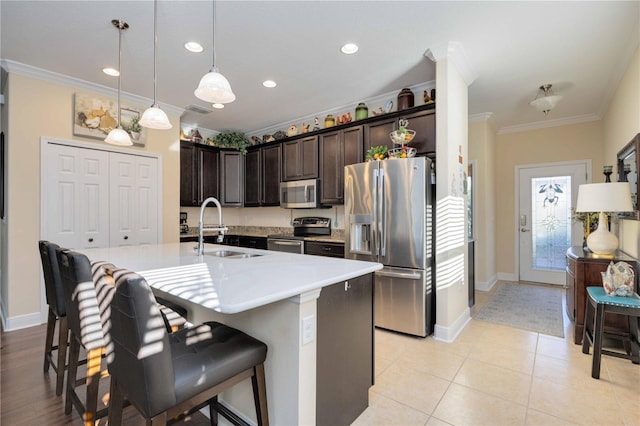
(94, 117)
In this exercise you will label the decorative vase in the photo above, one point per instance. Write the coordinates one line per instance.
(405, 99)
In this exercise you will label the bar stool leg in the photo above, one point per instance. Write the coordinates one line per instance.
(74, 355)
(635, 338)
(260, 395)
(48, 341)
(94, 359)
(597, 344)
(63, 338)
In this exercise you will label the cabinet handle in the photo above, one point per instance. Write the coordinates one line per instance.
(90, 240)
(126, 237)
(347, 286)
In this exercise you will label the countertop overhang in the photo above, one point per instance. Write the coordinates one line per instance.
(230, 285)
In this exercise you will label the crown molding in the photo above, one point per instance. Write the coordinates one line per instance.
(14, 67)
(454, 51)
(483, 116)
(549, 123)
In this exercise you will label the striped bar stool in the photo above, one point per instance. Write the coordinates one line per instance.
(601, 304)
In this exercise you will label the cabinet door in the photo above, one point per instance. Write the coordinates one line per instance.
(188, 175)
(353, 145)
(133, 200)
(208, 168)
(300, 159)
(252, 178)
(76, 198)
(377, 133)
(331, 168)
(424, 123)
(232, 178)
(271, 175)
(309, 157)
(344, 368)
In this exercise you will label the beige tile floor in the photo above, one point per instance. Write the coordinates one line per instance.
(498, 375)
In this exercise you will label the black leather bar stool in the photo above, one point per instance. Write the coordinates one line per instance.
(164, 375)
(57, 313)
(86, 332)
(598, 304)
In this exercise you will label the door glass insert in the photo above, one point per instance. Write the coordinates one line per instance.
(551, 221)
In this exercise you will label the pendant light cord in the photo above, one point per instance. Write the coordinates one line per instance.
(213, 33)
(119, 67)
(155, 49)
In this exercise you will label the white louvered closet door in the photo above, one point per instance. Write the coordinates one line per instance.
(133, 199)
(76, 211)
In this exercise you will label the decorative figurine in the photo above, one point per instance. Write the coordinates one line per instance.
(292, 130)
(427, 98)
(316, 124)
(305, 127)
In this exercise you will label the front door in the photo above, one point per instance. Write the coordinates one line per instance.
(547, 195)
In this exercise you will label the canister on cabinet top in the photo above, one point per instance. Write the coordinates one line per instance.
(362, 111)
(329, 121)
(405, 99)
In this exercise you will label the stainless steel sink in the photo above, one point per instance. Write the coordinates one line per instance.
(232, 254)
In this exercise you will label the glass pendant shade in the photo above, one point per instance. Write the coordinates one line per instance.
(214, 88)
(546, 103)
(155, 118)
(118, 137)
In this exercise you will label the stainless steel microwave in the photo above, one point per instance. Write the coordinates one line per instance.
(300, 194)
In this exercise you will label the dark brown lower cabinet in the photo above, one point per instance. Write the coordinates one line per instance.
(344, 371)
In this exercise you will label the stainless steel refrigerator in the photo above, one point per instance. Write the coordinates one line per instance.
(389, 219)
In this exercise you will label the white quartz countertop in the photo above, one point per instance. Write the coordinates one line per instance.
(230, 284)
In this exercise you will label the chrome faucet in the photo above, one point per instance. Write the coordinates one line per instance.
(220, 228)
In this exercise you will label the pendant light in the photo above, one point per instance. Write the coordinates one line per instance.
(547, 101)
(213, 86)
(154, 117)
(118, 136)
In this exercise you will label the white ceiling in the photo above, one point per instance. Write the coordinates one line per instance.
(582, 48)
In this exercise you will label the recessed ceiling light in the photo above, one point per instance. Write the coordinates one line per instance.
(111, 71)
(349, 48)
(218, 106)
(269, 83)
(193, 46)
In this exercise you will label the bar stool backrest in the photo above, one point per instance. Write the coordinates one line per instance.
(52, 280)
(142, 360)
(83, 314)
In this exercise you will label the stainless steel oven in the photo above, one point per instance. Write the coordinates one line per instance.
(302, 227)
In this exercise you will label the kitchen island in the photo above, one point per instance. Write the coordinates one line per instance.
(270, 295)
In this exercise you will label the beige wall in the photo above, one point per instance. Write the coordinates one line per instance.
(621, 124)
(482, 142)
(564, 143)
(41, 108)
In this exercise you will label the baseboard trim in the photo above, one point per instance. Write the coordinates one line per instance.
(449, 334)
(486, 285)
(21, 321)
(507, 276)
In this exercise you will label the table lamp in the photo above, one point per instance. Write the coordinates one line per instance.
(603, 197)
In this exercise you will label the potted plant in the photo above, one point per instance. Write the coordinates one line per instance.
(232, 139)
(134, 128)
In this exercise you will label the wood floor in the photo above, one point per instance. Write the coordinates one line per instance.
(27, 394)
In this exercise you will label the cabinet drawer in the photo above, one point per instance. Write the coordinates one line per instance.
(324, 249)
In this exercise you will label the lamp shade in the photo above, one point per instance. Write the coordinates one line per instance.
(155, 118)
(546, 103)
(118, 137)
(604, 197)
(214, 88)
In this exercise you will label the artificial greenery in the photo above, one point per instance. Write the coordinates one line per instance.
(134, 125)
(235, 140)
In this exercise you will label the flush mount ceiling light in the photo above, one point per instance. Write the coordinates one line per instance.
(269, 83)
(349, 48)
(193, 47)
(118, 136)
(545, 100)
(218, 106)
(154, 117)
(111, 71)
(214, 87)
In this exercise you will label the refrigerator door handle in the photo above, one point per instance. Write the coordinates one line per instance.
(404, 275)
(374, 213)
(383, 224)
